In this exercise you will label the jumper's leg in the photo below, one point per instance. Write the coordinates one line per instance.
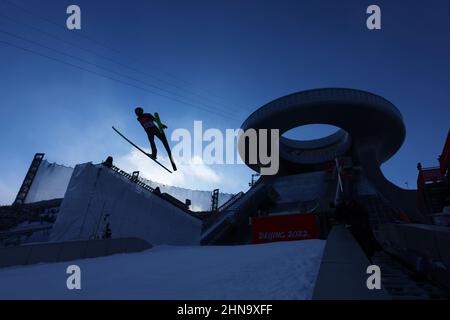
(151, 138)
(163, 139)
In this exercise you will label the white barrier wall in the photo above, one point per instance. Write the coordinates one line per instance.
(201, 200)
(52, 179)
(50, 182)
(97, 195)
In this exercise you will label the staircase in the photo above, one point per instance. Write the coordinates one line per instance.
(402, 284)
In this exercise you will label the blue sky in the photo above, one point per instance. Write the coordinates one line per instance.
(230, 56)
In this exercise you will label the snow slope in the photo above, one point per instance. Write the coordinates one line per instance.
(282, 270)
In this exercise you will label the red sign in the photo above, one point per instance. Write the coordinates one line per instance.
(284, 228)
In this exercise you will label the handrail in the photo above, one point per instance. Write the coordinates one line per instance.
(138, 181)
(145, 186)
(230, 201)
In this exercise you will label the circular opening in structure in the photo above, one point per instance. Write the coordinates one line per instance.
(311, 132)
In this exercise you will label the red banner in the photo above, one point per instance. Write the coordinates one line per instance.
(284, 228)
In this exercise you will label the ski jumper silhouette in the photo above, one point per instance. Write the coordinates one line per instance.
(153, 127)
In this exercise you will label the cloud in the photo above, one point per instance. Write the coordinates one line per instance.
(193, 175)
(7, 194)
(71, 145)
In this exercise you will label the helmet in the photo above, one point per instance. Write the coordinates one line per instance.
(139, 111)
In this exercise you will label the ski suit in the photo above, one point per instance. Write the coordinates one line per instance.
(147, 121)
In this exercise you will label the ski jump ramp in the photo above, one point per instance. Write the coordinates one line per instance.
(98, 198)
(371, 132)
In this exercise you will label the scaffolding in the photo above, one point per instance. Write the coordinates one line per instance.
(215, 200)
(28, 180)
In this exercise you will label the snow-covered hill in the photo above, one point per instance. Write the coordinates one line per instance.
(283, 270)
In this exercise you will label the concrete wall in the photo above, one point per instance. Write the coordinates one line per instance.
(66, 251)
(342, 274)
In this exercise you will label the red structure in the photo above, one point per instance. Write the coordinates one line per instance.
(433, 184)
(444, 159)
(428, 175)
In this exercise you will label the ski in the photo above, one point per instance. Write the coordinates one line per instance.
(137, 147)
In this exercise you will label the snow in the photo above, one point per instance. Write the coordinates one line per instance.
(282, 270)
(97, 195)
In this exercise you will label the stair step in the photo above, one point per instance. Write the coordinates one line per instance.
(397, 281)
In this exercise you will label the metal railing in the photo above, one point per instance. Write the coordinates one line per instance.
(167, 197)
(230, 201)
(132, 178)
